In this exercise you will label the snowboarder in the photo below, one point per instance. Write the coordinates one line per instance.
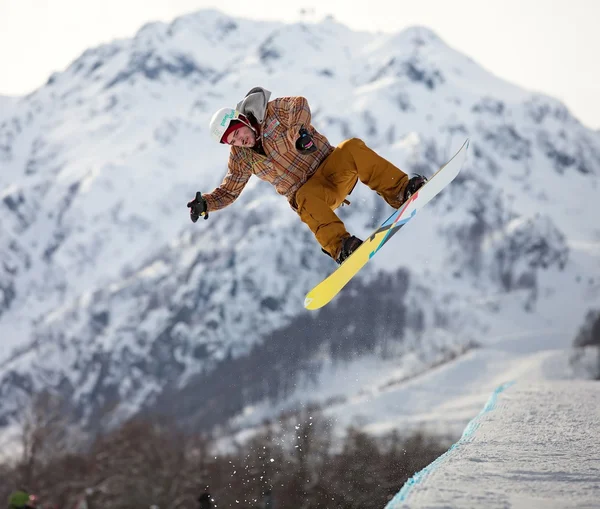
(275, 141)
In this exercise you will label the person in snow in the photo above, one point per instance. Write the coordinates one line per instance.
(204, 501)
(20, 499)
(276, 141)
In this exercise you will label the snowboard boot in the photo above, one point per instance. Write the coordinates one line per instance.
(414, 184)
(349, 245)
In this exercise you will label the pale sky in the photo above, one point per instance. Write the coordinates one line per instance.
(550, 46)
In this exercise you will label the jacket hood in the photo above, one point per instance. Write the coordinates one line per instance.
(255, 103)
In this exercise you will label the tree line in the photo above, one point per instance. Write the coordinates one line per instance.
(298, 461)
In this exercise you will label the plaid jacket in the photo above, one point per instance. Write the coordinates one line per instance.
(282, 166)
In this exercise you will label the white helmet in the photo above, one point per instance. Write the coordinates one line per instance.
(221, 120)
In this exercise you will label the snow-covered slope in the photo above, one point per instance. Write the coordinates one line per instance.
(110, 295)
(532, 445)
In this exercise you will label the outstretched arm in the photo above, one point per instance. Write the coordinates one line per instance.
(236, 178)
(233, 183)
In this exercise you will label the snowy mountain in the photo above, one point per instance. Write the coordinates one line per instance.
(111, 296)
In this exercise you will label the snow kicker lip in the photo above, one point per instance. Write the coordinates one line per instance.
(402, 496)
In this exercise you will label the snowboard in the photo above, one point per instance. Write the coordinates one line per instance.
(327, 289)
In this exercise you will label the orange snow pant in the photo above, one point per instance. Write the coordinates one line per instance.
(334, 179)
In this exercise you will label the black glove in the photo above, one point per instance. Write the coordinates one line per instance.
(305, 143)
(198, 207)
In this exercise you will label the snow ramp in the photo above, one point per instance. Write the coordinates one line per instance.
(533, 445)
